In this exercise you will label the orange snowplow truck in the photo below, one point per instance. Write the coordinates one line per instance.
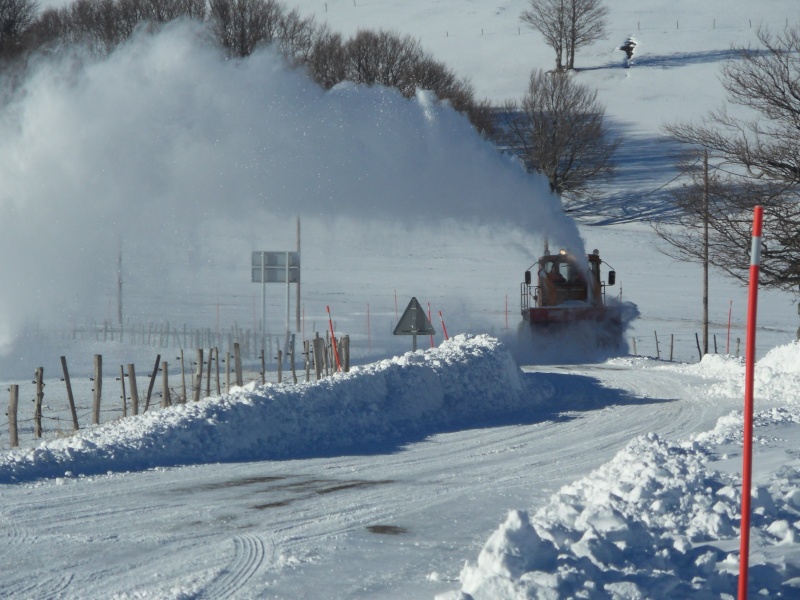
(567, 290)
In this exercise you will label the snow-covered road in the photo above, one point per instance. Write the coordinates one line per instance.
(391, 524)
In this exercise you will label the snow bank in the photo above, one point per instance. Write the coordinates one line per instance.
(777, 375)
(462, 382)
(661, 519)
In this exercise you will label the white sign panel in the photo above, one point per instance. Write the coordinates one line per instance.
(271, 267)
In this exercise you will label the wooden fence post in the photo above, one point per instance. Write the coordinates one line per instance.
(70, 397)
(12, 415)
(291, 360)
(183, 379)
(165, 398)
(198, 377)
(699, 351)
(152, 383)
(98, 388)
(124, 394)
(346, 354)
(228, 373)
(658, 351)
(306, 353)
(208, 372)
(634, 346)
(263, 365)
(237, 362)
(328, 357)
(216, 364)
(671, 345)
(37, 414)
(319, 355)
(280, 365)
(134, 390)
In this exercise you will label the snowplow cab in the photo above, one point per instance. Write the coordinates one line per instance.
(567, 288)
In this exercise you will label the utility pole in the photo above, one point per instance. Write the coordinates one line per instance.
(297, 308)
(705, 252)
(119, 292)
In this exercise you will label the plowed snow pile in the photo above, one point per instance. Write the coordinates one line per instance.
(661, 520)
(463, 381)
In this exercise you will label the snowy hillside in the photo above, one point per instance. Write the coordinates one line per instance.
(455, 472)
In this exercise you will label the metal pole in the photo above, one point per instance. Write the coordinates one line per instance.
(297, 306)
(119, 293)
(287, 292)
(263, 296)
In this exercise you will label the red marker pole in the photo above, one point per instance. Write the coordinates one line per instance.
(333, 340)
(750, 360)
(444, 329)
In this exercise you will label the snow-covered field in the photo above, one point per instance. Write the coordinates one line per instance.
(454, 472)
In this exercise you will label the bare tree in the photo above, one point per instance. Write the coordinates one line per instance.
(549, 18)
(295, 37)
(327, 63)
(586, 23)
(101, 25)
(16, 17)
(559, 131)
(567, 25)
(755, 160)
(242, 25)
(386, 58)
(383, 57)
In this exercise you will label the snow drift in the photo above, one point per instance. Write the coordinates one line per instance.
(464, 382)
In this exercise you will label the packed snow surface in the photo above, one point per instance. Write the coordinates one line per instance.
(457, 472)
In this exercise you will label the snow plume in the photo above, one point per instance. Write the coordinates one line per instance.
(164, 142)
(585, 341)
(464, 382)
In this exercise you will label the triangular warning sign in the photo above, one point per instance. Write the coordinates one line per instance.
(414, 321)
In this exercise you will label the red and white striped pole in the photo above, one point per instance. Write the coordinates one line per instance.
(333, 340)
(750, 360)
(444, 327)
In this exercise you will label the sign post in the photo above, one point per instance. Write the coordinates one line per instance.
(414, 322)
(274, 267)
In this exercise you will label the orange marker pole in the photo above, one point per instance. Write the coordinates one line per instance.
(444, 329)
(750, 359)
(333, 340)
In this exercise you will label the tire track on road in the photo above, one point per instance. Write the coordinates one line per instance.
(249, 555)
